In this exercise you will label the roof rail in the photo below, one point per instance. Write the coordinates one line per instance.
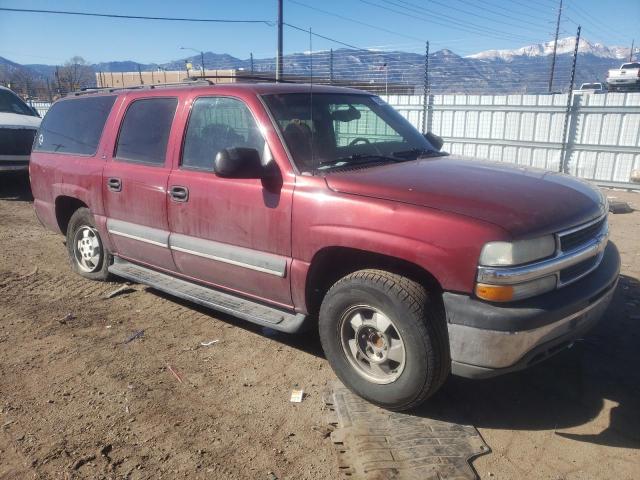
(185, 83)
(258, 78)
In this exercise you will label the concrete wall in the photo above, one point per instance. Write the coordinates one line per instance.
(132, 79)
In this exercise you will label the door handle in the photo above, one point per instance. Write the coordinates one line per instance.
(179, 194)
(114, 184)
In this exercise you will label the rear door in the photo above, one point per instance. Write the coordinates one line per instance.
(233, 233)
(135, 182)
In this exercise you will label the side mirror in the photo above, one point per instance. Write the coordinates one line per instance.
(239, 162)
(436, 141)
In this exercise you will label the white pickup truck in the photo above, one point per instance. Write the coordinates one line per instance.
(627, 77)
(18, 126)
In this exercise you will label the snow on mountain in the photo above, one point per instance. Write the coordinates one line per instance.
(565, 45)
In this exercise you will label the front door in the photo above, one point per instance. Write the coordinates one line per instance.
(229, 232)
(135, 183)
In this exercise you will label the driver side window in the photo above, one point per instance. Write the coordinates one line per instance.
(216, 123)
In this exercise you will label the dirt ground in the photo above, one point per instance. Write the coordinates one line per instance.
(76, 401)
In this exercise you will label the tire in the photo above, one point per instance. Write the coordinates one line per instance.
(87, 254)
(362, 305)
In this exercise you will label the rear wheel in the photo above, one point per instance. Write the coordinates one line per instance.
(87, 254)
(385, 338)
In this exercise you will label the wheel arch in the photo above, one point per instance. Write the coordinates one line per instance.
(65, 207)
(332, 263)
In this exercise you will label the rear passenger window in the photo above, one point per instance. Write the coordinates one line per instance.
(145, 130)
(74, 126)
(216, 123)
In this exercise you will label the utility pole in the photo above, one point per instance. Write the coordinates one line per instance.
(555, 47)
(425, 95)
(58, 80)
(631, 51)
(251, 60)
(202, 62)
(140, 75)
(564, 162)
(49, 90)
(331, 67)
(279, 52)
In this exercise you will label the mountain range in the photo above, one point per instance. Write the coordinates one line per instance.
(519, 70)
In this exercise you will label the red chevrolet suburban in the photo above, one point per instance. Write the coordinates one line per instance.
(296, 206)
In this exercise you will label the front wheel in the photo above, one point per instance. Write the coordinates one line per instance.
(87, 254)
(385, 338)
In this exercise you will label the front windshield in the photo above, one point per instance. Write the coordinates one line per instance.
(11, 103)
(338, 130)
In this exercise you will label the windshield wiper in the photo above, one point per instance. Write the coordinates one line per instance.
(358, 159)
(415, 153)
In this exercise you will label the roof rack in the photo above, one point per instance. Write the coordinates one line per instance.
(185, 83)
(258, 78)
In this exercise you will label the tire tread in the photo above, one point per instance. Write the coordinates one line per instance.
(426, 316)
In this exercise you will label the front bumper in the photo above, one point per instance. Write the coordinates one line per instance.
(14, 163)
(491, 339)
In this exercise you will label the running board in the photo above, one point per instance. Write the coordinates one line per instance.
(251, 311)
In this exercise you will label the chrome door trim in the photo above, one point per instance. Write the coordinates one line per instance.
(230, 254)
(137, 232)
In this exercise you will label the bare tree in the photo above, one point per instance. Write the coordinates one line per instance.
(75, 74)
(24, 82)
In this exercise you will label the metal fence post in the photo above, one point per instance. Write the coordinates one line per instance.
(564, 159)
(425, 93)
(571, 139)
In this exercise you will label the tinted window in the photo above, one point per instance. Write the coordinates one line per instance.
(74, 126)
(145, 130)
(11, 103)
(217, 123)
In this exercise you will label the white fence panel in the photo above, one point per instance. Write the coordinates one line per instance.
(602, 142)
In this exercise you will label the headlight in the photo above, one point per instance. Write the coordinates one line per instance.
(509, 293)
(498, 254)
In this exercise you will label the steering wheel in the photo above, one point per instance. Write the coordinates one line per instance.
(359, 140)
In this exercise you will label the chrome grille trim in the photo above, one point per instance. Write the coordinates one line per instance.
(552, 266)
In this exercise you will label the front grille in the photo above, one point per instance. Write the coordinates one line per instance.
(16, 141)
(576, 271)
(576, 239)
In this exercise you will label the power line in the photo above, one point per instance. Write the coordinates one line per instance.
(485, 9)
(440, 19)
(527, 5)
(353, 20)
(135, 17)
(306, 30)
(600, 29)
(419, 9)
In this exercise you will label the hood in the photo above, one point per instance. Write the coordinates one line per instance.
(525, 201)
(15, 120)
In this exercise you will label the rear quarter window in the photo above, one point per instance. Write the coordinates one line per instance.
(74, 126)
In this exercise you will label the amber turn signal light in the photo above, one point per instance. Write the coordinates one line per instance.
(494, 293)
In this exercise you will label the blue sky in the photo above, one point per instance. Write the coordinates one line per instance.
(464, 26)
